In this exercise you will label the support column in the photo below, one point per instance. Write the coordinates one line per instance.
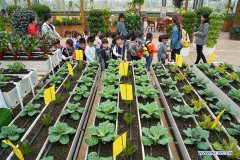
(82, 12)
(236, 13)
(29, 3)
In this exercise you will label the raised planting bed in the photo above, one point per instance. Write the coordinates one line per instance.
(105, 120)
(76, 120)
(28, 122)
(38, 132)
(220, 84)
(179, 109)
(151, 121)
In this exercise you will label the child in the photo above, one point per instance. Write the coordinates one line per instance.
(162, 52)
(105, 54)
(135, 49)
(59, 49)
(81, 45)
(140, 38)
(90, 51)
(68, 51)
(86, 34)
(112, 39)
(98, 42)
(68, 34)
(119, 49)
(151, 49)
(76, 36)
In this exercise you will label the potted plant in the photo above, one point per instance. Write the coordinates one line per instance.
(227, 23)
(214, 31)
(235, 32)
(30, 44)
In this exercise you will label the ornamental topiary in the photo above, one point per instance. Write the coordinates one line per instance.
(132, 22)
(189, 23)
(214, 30)
(11, 8)
(235, 32)
(199, 12)
(41, 10)
(20, 20)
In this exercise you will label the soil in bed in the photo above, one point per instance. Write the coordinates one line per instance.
(22, 71)
(8, 87)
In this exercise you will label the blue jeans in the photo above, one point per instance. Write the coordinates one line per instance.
(149, 61)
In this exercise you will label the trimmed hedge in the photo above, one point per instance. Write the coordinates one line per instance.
(189, 23)
(11, 8)
(5, 117)
(41, 10)
(132, 22)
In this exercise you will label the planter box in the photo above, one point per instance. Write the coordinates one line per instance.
(62, 28)
(208, 51)
(226, 26)
(11, 98)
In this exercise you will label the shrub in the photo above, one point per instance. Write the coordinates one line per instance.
(5, 117)
(11, 8)
(189, 23)
(235, 32)
(20, 20)
(200, 11)
(214, 30)
(41, 10)
(132, 22)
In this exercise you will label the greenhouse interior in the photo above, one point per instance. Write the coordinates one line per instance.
(120, 80)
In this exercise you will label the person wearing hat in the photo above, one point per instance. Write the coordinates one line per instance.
(121, 26)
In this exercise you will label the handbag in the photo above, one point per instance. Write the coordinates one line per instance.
(184, 41)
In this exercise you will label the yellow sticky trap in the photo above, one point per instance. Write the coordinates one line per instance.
(79, 55)
(49, 95)
(211, 58)
(184, 11)
(70, 69)
(78, 18)
(217, 119)
(123, 68)
(70, 18)
(126, 92)
(119, 144)
(179, 60)
(17, 151)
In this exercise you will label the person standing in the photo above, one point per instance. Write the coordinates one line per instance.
(176, 35)
(90, 50)
(151, 50)
(32, 29)
(48, 28)
(105, 54)
(201, 37)
(121, 26)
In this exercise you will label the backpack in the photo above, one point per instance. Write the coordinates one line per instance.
(184, 41)
(145, 51)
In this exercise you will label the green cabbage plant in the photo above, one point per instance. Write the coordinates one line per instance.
(85, 80)
(223, 83)
(212, 72)
(142, 80)
(208, 94)
(16, 67)
(199, 82)
(183, 111)
(168, 83)
(162, 72)
(110, 79)
(235, 94)
(80, 93)
(54, 80)
(30, 110)
(74, 110)
(95, 156)
(146, 92)
(150, 110)
(235, 130)
(109, 92)
(175, 95)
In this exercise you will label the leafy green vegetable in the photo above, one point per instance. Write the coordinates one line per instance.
(60, 132)
(154, 158)
(111, 79)
(47, 158)
(162, 72)
(94, 156)
(212, 72)
(183, 111)
(220, 105)
(11, 133)
(54, 80)
(129, 149)
(16, 67)
(189, 72)
(230, 145)
(174, 69)
(146, 92)
(207, 123)
(196, 136)
(200, 82)
(80, 92)
(111, 69)
(25, 147)
(169, 83)
(113, 62)
(150, 110)
(227, 66)
(220, 69)
(198, 105)
(174, 94)
(39, 95)
(138, 63)
(179, 77)
(46, 119)
(157, 65)
(63, 71)
(93, 64)
(142, 80)
(155, 135)
(109, 92)
(3, 80)
(128, 118)
(74, 110)
(187, 89)
(108, 110)
(232, 77)
(223, 83)
(90, 71)
(30, 109)
(203, 66)
(140, 70)
(235, 131)
(104, 132)
(59, 99)
(235, 94)
(208, 94)
(85, 80)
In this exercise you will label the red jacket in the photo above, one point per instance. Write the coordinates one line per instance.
(151, 48)
(32, 30)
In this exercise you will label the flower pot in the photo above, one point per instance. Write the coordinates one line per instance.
(227, 25)
(208, 51)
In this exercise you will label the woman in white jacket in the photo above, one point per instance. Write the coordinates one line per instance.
(49, 29)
